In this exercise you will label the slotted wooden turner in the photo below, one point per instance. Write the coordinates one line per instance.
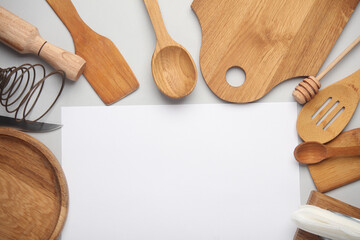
(106, 69)
(324, 117)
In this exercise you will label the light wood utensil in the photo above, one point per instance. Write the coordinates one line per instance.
(173, 68)
(324, 117)
(338, 171)
(310, 86)
(25, 38)
(315, 152)
(34, 195)
(328, 203)
(106, 69)
(271, 40)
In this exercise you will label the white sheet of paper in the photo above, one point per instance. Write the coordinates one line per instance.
(191, 172)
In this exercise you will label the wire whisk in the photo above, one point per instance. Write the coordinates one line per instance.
(21, 88)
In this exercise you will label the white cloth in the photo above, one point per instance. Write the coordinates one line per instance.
(326, 223)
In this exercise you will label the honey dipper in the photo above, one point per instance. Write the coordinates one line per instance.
(310, 86)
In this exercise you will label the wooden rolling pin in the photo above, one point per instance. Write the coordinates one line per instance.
(25, 38)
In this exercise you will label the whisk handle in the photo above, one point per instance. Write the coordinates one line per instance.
(25, 38)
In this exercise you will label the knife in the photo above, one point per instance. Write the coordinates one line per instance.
(28, 126)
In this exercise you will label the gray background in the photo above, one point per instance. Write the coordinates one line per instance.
(127, 24)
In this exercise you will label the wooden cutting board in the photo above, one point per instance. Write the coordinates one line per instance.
(338, 171)
(33, 190)
(328, 203)
(271, 40)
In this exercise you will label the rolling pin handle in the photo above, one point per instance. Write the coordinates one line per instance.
(72, 64)
(41, 48)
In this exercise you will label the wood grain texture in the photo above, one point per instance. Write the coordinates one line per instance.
(328, 203)
(271, 40)
(34, 193)
(173, 68)
(315, 152)
(25, 38)
(106, 69)
(338, 171)
(343, 96)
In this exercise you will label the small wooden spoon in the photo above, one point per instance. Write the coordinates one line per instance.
(315, 152)
(173, 69)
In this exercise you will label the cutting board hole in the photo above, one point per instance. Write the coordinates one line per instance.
(235, 76)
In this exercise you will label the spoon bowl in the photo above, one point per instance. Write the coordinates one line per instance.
(315, 152)
(174, 71)
(173, 68)
(310, 152)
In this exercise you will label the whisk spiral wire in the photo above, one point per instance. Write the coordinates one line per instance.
(21, 88)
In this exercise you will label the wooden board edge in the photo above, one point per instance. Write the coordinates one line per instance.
(60, 176)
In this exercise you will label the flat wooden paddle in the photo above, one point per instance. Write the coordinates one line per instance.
(271, 40)
(328, 113)
(106, 69)
(338, 171)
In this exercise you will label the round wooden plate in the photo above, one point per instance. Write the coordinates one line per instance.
(34, 196)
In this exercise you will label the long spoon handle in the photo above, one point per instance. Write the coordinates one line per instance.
(153, 9)
(343, 151)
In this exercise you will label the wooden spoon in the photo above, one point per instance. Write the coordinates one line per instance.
(173, 68)
(315, 152)
(325, 116)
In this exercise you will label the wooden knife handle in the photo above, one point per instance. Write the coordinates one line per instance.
(69, 16)
(25, 38)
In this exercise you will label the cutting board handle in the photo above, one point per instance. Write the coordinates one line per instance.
(162, 36)
(25, 38)
(69, 16)
(224, 90)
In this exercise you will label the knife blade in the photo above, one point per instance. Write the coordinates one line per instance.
(26, 126)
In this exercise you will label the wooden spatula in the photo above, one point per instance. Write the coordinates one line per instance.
(106, 69)
(324, 117)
